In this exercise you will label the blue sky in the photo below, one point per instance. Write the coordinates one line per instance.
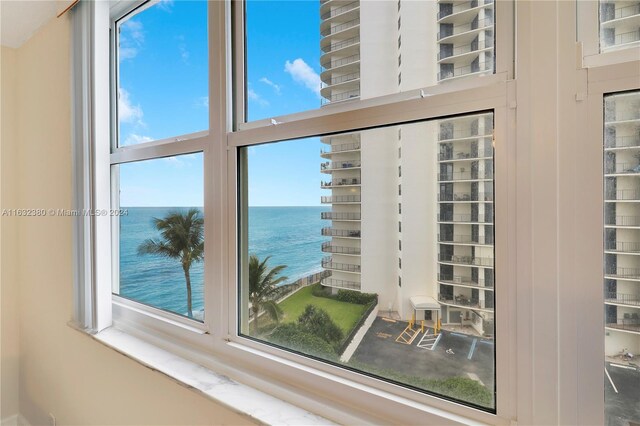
(163, 92)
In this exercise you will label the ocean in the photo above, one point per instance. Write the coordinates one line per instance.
(290, 235)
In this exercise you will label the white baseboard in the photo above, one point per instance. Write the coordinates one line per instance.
(15, 420)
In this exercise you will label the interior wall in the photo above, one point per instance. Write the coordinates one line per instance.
(9, 294)
(62, 371)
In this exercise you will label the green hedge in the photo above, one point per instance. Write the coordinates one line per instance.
(317, 321)
(294, 336)
(348, 296)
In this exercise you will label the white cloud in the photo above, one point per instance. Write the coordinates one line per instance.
(253, 96)
(165, 5)
(268, 82)
(203, 102)
(184, 53)
(304, 74)
(131, 39)
(134, 139)
(127, 112)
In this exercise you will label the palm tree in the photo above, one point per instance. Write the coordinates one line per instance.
(182, 237)
(262, 288)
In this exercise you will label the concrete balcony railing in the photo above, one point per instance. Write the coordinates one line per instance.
(467, 48)
(340, 182)
(466, 239)
(341, 148)
(622, 298)
(622, 12)
(332, 282)
(466, 27)
(622, 195)
(466, 260)
(335, 165)
(622, 168)
(341, 79)
(623, 142)
(332, 47)
(327, 247)
(463, 134)
(622, 246)
(628, 324)
(353, 94)
(465, 175)
(465, 196)
(458, 279)
(481, 153)
(623, 115)
(625, 38)
(345, 233)
(337, 28)
(623, 221)
(340, 199)
(469, 69)
(328, 263)
(339, 216)
(462, 7)
(342, 9)
(477, 218)
(630, 273)
(461, 300)
(340, 62)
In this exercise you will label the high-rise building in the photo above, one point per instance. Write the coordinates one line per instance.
(420, 237)
(619, 24)
(622, 223)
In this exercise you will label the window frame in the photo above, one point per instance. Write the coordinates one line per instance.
(218, 341)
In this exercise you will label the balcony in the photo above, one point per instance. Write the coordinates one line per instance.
(622, 12)
(466, 70)
(328, 247)
(627, 324)
(328, 263)
(623, 142)
(467, 48)
(332, 47)
(339, 216)
(465, 175)
(464, 301)
(332, 282)
(625, 38)
(463, 7)
(353, 94)
(339, 10)
(622, 168)
(340, 182)
(623, 273)
(457, 279)
(338, 165)
(340, 199)
(623, 221)
(623, 195)
(466, 196)
(466, 239)
(464, 218)
(465, 28)
(451, 156)
(338, 28)
(622, 246)
(341, 148)
(448, 136)
(343, 233)
(622, 299)
(466, 260)
(340, 79)
(340, 62)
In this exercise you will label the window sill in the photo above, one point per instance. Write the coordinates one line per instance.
(257, 406)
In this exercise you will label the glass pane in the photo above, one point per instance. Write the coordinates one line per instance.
(379, 254)
(619, 24)
(161, 238)
(303, 54)
(622, 260)
(162, 72)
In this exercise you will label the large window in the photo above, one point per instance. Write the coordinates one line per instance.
(319, 272)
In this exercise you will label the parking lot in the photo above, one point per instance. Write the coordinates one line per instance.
(467, 354)
(622, 408)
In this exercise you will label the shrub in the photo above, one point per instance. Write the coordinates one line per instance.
(318, 290)
(318, 322)
(356, 297)
(294, 336)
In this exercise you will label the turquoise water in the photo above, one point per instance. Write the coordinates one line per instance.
(290, 235)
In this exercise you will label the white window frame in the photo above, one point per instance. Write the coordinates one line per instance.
(528, 378)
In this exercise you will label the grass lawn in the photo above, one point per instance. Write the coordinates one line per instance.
(345, 315)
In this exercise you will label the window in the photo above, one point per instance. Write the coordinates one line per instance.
(315, 279)
(619, 26)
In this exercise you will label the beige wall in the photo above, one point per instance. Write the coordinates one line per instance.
(62, 371)
(9, 248)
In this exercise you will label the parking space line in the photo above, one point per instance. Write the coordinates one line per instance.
(472, 349)
(611, 381)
